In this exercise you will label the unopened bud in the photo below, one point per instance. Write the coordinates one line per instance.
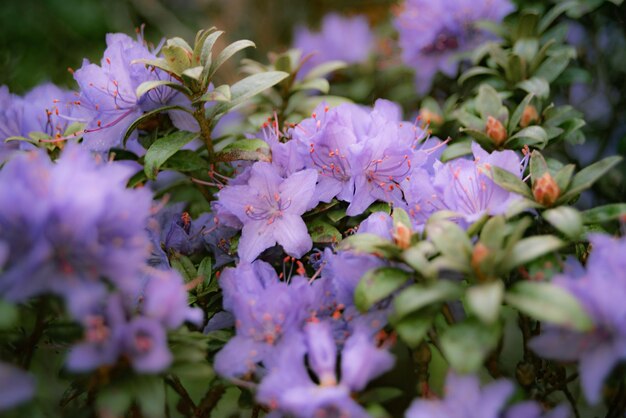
(402, 235)
(430, 117)
(525, 374)
(545, 190)
(529, 116)
(496, 131)
(478, 255)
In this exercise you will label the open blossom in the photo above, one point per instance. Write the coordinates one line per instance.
(434, 33)
(463, 186)
(347, 39)
(601, 290)
(68, 225)
(270, 208)
(265, 309)
(290, 388)
(108, 92)
(361, 155)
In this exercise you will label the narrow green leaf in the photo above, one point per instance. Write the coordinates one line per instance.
(419, 296)
(538, 166)
(485, 300)
(604, 213)
(245, 150)
(475, 72)
(519, 111)
(228, 52)
(413, 328)
(456, 150)
(563, 177)
(368, 243)
(218, 94)
(207, 48)
(146, 86)
(488, 102)
(323, 233)
(534, 136)
(587, 176)
(550, 303)
(163, 148)
(319, 84)
(451, 241)
(324, 69)
(554, 65)
(565, 219)
(378, 284)
(148, 115)
(535, 85)
(510, 182)
(466, 345)
(530, 248)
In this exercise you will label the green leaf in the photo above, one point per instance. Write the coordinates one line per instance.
(219, 94)
(368, 243)
(319, 84)
(475, 72)
(163, 148)
(565, 219)
(538, 166)
(553, 14)
(8, 314)
(456, 150)
(589, 175)
(550, 303)
(530, 248)
(184, 266)
(149, 393)
(207, 48)
(510, 182)
(554, 65)
(563, 177)
(185, 161)
(249, 87)
(324, 69)
(526, 48)
(418, 296)
(178, 58)
(400, 215)
(466, 345)
(114, 400)
(228, 52)
(452, 241)
(323, 232)
(414, 327)
(488, 102)
(205, 269)
(246, 150)
(417, 257)
(485, 300)
(480, 137)
(604, 213)
(519, 111)
(534, 136)
(147, 116)
(378, 284)
(146, 86)
(535, 85)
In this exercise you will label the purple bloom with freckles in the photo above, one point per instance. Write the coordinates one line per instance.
(463, 186)
(108, 92)
(145, 344)
(340, 38)
(290, 388)
(601, 290)
(265, 309)
(434, 33)
(69, 225)
(464, 398)
(270, 208)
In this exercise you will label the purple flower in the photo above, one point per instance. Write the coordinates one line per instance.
(270, 208)
(265, 309)
(103, 337)
(463, 186)
(434, 33)
(340, 38)
(464, 399)
(145, 345)
(174, 230)
(69, 225)
(16, 386)
(107, 92)
(601, 291)
(290, 388)
(530, 409)
(361, 155)
(164, 299)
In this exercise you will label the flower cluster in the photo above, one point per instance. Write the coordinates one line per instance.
(433, 34)
(600, 289)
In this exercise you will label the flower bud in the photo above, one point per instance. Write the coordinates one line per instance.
(525, 374)
(496, 131)
(545, 190)
(402, 236)
(430, 117)
(529, 115)
(480, 253)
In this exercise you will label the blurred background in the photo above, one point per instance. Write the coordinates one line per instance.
(40, 39)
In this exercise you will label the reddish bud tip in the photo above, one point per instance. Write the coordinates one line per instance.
(496, 131)
(529, 116)
(545, 190)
